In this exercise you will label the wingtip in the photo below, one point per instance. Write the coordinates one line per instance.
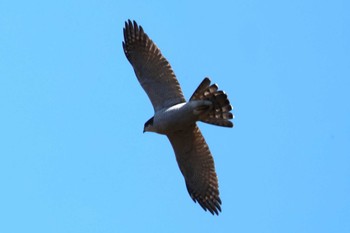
(131, 23)
(128, 22)
(213, 205)
(207, 79)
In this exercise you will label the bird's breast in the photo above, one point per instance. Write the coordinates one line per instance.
(177, 117)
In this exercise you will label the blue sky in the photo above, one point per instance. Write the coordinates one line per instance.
(73, 157)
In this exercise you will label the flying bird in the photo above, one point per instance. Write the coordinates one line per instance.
(176, 118)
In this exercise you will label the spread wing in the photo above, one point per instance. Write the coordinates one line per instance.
(197, 166)
(152, 70)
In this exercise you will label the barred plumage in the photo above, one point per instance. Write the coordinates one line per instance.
(219, 113)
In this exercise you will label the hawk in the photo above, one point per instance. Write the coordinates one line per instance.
(176, 118)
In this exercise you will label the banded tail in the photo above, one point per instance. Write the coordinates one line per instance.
(219, 113)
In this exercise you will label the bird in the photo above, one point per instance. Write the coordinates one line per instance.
(177, 118)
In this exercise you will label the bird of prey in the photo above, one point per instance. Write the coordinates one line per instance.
(176, 118)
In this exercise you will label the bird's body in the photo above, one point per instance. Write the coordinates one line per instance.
(176, 118)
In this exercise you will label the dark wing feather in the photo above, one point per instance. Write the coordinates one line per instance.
(197, 166)
(152, 70)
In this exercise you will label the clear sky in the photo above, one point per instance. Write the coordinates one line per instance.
(73, 157)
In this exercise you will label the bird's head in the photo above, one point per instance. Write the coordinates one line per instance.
(149, 126)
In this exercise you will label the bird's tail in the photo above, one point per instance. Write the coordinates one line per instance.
(219, 112)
